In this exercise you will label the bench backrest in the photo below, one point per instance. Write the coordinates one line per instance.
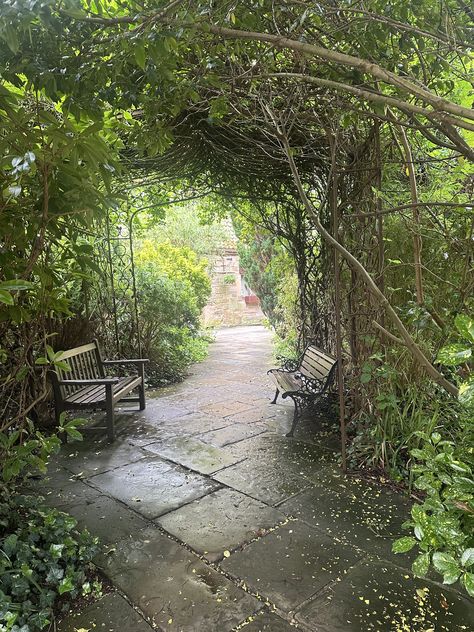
(316, 364)
(85, 363)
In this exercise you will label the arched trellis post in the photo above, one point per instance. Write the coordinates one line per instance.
(122, 310)
(122, 282)
(337, 302)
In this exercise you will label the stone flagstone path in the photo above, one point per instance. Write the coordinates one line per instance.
(211, 520)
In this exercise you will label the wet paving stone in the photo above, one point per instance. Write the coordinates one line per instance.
(377, 596)
(152, 487)
(198, 424)
(354, 511)
(89, 457)
(61, 489)
(232, 434)
(268, 622)
(107, 518)
(227, 408)
(269, 483)
(290, 564)
(157, 410)
(195, 454)
(298, 457)
(112, 613)
(220, 522)
(174, 587)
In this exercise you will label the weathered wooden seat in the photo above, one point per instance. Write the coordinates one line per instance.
(86, 387)
(305, 380)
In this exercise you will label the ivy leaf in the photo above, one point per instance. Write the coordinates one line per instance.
(66, 585)
(402, 545)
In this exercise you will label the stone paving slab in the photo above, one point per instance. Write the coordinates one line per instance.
(174, 587)
(198, 424)
(270, 483)
(290, 564)
(158, 411)
(62, 490)
(353, 511)
(89, 457)
(258, 413)
(152, 486)
(298, 457)
(107, 518)
(232, 434)
(268, 622)
(222, 521)
(194, 454)
(377, 596)
(227, 408)
(140, 432)
(112, 613)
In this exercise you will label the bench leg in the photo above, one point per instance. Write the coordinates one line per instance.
(141, 391)
(296, 415)
(110, 413)
(274, 401)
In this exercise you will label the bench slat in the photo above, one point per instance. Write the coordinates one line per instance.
(314, 374)
(314, 354)
(77, 350)
(317, 363)
(87, 394)
(96, 393)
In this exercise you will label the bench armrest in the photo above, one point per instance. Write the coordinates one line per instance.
(133, 361)
(103, 380)
(288, 364)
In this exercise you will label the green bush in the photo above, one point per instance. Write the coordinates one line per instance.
(443, 524)
(44, 562)
(173, 287)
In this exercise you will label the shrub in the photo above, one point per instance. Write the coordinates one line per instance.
(173, 288)
(443, 524)
(44, 561)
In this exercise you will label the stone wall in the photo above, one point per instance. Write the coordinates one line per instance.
(232, 302)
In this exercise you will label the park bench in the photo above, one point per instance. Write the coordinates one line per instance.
(87, 387)
(305, 380)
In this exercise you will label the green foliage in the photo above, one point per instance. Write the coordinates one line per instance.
(287, 314)
(183, 225)
(443, 524)
(457, 354)
(258, 252)
(44, 563)
(27, 451)
(173, 287)
(229, 279)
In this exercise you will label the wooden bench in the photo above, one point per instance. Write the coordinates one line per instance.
(87, 387)
(305, 381)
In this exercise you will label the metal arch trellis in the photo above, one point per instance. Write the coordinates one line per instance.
(120, 298)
